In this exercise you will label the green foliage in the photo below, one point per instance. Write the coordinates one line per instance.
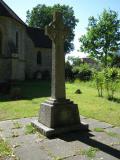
(41, 15)
(112, 79)
(68, 71)
(116, 61)
(91, 152)
(5, 149)
(107, 79)
(17, 125)
(102, 38)
(75, 61)
(99, 78)
(83, 72)
(29, 129)
(98, 129)
(75, 71)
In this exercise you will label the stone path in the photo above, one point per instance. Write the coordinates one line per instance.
(101, 143)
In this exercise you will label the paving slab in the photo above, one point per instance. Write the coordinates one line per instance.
(62, 149)
(31, 152)
(66, 146)
(104, 156)
(96, 124)
(113, 130)
(78, 157)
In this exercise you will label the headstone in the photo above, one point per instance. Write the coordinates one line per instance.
(58, 114)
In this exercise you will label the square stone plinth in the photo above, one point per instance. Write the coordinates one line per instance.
(51, 132)
(58, 116)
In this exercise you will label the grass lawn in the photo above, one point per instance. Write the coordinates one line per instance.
(90, 105)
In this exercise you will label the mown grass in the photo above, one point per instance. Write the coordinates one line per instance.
(34, 93)
(90, 105)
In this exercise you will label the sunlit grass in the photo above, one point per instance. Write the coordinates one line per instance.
(5, 149)
(34, 93)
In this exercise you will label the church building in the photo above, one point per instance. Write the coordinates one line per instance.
(25, 52)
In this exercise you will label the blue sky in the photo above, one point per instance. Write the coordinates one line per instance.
(83, 10)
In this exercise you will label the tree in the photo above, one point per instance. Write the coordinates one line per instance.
(102, 39)
(75, 61)
(41, 15)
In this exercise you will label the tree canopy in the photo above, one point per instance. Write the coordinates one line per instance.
(41, 15)
(102, 39)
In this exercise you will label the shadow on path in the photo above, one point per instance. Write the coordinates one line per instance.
(86, 138)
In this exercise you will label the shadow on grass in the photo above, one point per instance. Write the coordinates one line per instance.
(117, 100)
(29, 90)
(85, 137)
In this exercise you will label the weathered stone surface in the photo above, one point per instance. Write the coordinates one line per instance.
(50, 132)
(57, 32)
(58, 114)
(68, 146)
(26, 152)
(78, 157)
(104, 156)
(114, 130)
(95, 124)
(15, 66)
(63, 149)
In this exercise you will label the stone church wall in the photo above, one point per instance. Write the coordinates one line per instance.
(17, 65)
(10, 27)
(31, 59)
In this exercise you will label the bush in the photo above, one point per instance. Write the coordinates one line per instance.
(108, 79)
(99, 78)
(68, 71)
(112, 79)
(75, 71)
(83, 72)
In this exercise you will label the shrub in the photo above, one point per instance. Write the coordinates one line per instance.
(85, 73)
(108, 79)
(75, 71)
(68, 71)
(99, 78)
(82, 72)
(112, 79)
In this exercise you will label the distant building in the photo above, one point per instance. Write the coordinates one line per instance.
(24, 51)
(89, 61)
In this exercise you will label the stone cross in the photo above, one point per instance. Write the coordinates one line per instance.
(58, 115)
(57, 32)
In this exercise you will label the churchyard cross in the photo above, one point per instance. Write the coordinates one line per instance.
(57, 32)
(57, 114)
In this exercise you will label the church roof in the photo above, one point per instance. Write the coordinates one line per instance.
(6, 11)
(39, 38)
(37, 35)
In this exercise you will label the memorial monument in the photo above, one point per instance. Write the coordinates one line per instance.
(58, 115)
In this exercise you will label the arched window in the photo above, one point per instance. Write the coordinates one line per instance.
(0, 42)
(39, 58)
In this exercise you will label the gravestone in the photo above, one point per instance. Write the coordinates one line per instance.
(58, 114)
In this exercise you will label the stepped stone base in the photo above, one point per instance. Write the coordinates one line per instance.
(58, 116)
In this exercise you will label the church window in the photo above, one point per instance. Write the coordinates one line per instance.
(39, 58)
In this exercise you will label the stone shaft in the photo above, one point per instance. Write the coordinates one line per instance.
(57, 32)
